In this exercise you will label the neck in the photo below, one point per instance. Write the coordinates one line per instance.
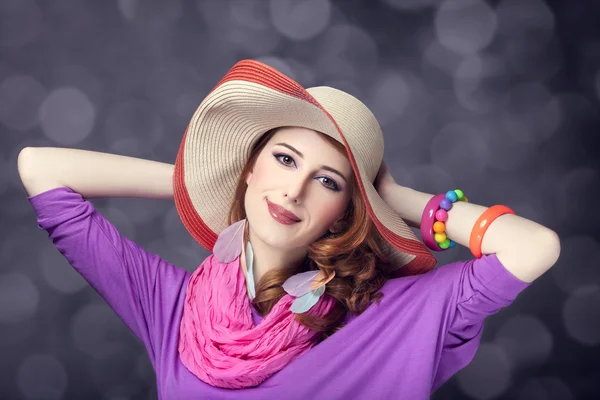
(267, 258)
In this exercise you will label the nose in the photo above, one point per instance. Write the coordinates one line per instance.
(296, 188)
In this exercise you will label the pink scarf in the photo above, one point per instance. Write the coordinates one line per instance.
(219, 342)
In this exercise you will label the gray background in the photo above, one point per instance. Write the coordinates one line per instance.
(498, 98)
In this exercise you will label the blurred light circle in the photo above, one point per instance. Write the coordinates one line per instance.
(576, 195)
(389, 96)
(465, 26)
(120, 392)
(163, 82)
(173, 230)
(597, 84)
(570, 276)
(526, 29)
(20, 22)
(526, 340)
(19, 298)
(510, 142)
(57, 271)
(235, 26)
(579, 113)
(441, 58)
(115, 375)
(539, 109)
(545, 388)
(481, 83)
(151, 13)
(414, 120)
(461, 150)
(135, 118)
(15, 249)
(42, 377)
(95, 330)
(581, 314)
(67, 116)
(525, 20)
(411, 5)
(531, 60)
(301, 19)
(335, 69)
(65, 74)
(252, 14)
(127, 146)
(3, 177)
(488, 375)
(20, 100)
(429, 178)
(346, 52)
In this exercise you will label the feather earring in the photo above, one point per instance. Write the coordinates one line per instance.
(229, 243)
(250, 272)
(304, 303)
(307, 287)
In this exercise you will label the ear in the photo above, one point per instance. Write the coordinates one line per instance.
(248, 178)
(337, 226)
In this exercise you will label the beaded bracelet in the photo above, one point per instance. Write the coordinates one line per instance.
(433, 218)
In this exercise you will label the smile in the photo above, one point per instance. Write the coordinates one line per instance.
(282, 215)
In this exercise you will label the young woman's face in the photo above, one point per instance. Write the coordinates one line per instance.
(301, 183)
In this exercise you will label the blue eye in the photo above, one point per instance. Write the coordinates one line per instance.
(332, 186)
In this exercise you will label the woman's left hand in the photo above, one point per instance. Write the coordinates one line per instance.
(384, 180)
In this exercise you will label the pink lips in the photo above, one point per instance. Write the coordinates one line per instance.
(282, 215)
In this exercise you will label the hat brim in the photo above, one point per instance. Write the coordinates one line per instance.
(250, 100)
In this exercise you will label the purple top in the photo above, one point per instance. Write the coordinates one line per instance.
(424, 330)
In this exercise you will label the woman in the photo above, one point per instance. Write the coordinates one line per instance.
(316, 286)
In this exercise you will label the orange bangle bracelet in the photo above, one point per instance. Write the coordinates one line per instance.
(482, 225)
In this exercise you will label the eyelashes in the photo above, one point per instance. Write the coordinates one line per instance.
(334, 186)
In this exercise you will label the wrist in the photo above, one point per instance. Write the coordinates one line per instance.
(407, 203)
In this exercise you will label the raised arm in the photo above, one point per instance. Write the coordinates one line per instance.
(93, 174)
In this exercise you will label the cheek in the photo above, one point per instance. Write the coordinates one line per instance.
(260, 172)
(328, 211)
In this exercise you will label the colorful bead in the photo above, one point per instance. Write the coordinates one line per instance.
(446, 204)
(451, 195)
(439, 227)
(439, 237)
(441, 215)
(436, 213)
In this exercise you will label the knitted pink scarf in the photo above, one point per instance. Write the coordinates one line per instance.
(219, 342)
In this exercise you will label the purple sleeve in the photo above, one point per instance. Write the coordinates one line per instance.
(477, 288)
(137, 284)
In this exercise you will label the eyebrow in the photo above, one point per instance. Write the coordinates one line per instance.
(325, 167)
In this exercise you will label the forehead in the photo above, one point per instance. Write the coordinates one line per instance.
(303, 137)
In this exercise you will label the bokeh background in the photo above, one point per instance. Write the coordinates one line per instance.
(498, 98)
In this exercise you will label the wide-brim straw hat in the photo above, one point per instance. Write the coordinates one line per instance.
(253, 98)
